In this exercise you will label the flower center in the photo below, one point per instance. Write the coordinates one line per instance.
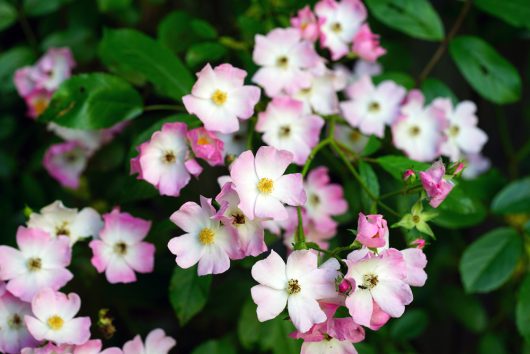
(62, 229)
(336, 27)
(454, 130)
(265, 186)
(71, 156)
(15, 322)
(355, 135)
(282, 62)
(40, 105)
(369, 281)
(416, 219)
(169, 157)
(285, 131)
(374, 107)
(414, 130)
(34, 264)
(219, 97)
(293, 287)
(120, 248)
(55, 322)
(314, 199)
(203, 140)
(239, 218)
(206, 236)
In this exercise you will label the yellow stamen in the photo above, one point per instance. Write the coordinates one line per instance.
(265, 186)
(219, 97)
(293, 287)
(203, 140)
(206, 236)
(55, 323)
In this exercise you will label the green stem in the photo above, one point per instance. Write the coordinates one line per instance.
(250, 132)
(299, 235)
(313, 153)
(164, 107)
(402, 191)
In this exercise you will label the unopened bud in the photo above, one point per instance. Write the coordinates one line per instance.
(419, 243)
(409, 176)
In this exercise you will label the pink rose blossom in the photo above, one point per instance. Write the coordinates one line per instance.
(351, 137)
(286, 126)
(54, 68)
(25, 80)
(120, 250)
(284, 58)
(370, 108)
(318, 94)
(156, 343)
(164, 161)
(341, 22)
(418, 130)
(219, 98)
(379, 279)
(366, 44)
(58, 220)
(53, 318)
(206, 145)
(250, 233)
(66, 162)
(434, 183)
(206, 241)
(262, 187)
(297, 285)
(306, 22)
(311, 232)
(39, 263)
(372, 230)
(37, 101)
(415, 262)
(13, 332)
(93, 346)
(324, 199)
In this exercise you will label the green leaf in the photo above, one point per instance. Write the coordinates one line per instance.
(369, 178)
(80, 39)
(515, 12)
(466, 308)
(130, 51)
(173, 31)
(40, 8)
(107, 6)
(202, 53)
(410, 325)
(514, 198)
(491, 344)
(215, 347)
(397, 165)
(188, 293)
(492, 76)
(10, 61)
(399, 78)
(522, 310)
(93, 101)
(460, 210)
(434, 88)
(8, 15)
(416, 18)
(203, 29)
(248, 327)
(488, 262)
(371, 146)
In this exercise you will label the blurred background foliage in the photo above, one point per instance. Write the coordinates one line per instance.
(465, 307)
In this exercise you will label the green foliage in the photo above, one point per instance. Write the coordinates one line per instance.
(188, 292)
(460, 210)
(396, 165)
(492, 76)
(514, 198)
(11, 60)
(515, 12)
(522, 310)
(369, 178)
(202, 53)
(467, 309)
(417, 18)
(434, 88)
(488, 262)
(128, 51)
(93, 101)
(409, 326)
(41, 8)
(8, 15)
(399, 78)
(492, 344)
(215, 347)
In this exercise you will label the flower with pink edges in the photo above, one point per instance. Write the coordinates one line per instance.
(370, 107)
(319, 95)
(54, 318)
(434, 183)
(250, 233)
(415, 262)
(324, 199)
(66, 162)
(54, 68)
(379, 279)
(366, 44)
(156, 342)
(341, 22)
(351, 137)
(37, 102)
(93, 346)
(219, 98)
(164, 160)
(284, 58)
(409, 175)
(344, 77)
(462, 134)
(306, 22)
(336, 335)
(206, 241)
(58, 220)
(299, 285)
(418, 130)
(372, 230)
(120, 250)
(262, 187)
(40, 262)
(206, 145)
(13, 332)
(2, 288)
(286, 126)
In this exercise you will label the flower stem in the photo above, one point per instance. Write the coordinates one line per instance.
(401, 191)
(164, 107)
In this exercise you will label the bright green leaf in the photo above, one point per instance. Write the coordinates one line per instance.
(8, 15)
(129, 51)
(93, 101)
(201, 53)
(515, 12)
(203, 29)
(410, 325)
(489, 261)
(80, 39)
(399, 78)
(397, 165)
(434, 88)
(416, 18)
(522, 310)
(514, 198)
(188, 292)
(248, 326)
(460, 210)
(492, 76)
(369, 178)
(173, 31)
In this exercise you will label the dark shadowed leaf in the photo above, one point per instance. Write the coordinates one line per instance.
(8, 14)
(514, 198)
(522, 311)
(434, 88)
(460, 210)
(515, 12)
(188, 292)
(201, 53)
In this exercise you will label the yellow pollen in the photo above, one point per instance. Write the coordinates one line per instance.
(336, 27)
(369, 281)
(203, 140)
(219, 97)
(239, 219)
(120, 248)
(415, 130)
(55, 323)
(40, 105)
(374, 107)
(454, 130)
(169, 157)
(34, 264)
(282, 62)
(314, 199)
(62, 229)
(304, 25)
(293, 287)
(265, 186)
(206, 236)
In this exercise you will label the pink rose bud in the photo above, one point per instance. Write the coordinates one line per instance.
(346, 286)
(419, 243)
(456, 168)
(372, 230)
(435, 185)
(409, 176)
(366, 44)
